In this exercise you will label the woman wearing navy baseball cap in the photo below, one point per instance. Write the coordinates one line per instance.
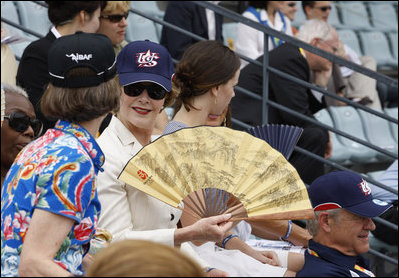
(145, 71)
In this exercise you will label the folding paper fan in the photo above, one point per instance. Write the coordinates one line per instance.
(214, 170)
(281, 137)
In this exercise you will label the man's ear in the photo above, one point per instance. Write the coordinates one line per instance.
(314, 41)
(325, 222)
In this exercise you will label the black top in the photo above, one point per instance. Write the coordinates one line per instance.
(190, 17)
(33, 74)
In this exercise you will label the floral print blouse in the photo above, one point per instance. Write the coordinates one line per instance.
(57, 173)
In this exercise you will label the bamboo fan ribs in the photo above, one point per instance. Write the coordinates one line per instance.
(214, 170)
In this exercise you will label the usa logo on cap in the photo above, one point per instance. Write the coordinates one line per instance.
(147, 59)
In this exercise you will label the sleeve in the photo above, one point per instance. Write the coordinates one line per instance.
(122, 205)
(247, 39)
(66, 188)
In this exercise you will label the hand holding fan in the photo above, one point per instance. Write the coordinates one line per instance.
(281, 137)
(215, 170)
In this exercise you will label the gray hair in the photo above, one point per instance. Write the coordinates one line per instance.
(315, 28)
(312, 225)
(13, 89)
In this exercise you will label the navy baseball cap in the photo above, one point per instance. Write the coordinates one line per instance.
(81, 49)
(145, 61)
(345, 189)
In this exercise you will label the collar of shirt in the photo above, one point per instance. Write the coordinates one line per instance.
(55, 32)
(336, 257)
(87, 141)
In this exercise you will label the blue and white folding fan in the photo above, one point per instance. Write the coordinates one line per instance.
(280, 137)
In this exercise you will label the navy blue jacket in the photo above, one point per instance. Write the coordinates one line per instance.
(331, 263)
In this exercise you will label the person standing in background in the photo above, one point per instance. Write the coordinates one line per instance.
(67, 18)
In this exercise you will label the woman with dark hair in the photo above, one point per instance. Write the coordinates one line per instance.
(49, 202)
(67, 18)
(249, 40)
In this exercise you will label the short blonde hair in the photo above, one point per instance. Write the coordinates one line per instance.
(141, 258)
(116, 5)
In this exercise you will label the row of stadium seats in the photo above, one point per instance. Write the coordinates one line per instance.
(359, 15)
(362, 125)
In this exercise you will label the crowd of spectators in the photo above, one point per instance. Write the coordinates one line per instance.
(83, 101)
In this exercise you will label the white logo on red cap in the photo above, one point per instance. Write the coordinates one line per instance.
(147, 59)
(79, 57)
(365, 188)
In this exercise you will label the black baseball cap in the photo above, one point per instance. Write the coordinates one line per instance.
(81, 49)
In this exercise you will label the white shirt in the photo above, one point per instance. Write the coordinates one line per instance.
(250, 41)
(126, 212)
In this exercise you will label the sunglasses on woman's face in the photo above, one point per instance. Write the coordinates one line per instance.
(154, 91)
(292, 4)
(21, 122)
(114, 18)
(324, 8)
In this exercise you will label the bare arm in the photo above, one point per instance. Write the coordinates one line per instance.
(43, 239)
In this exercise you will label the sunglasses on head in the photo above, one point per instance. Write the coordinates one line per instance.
(115, 17)
(324, 8)
(20, 122)
(154, 91)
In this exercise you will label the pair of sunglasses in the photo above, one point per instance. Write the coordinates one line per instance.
(20, 122)
(292, 4)
(324, 8)
(114, 18)
(154, 91)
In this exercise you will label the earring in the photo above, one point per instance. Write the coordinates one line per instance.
(225, 122)
(216, 101)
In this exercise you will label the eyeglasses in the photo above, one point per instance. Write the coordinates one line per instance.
(114, 18)
(154, 91)
(323, 8)
(292, 4)
(20, 122)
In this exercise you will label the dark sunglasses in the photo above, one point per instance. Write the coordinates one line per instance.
(154, 91)
(20, 122)
(324, 8)
(292, 4)
(115, 17)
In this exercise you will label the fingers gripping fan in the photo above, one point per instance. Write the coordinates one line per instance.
(215, 170)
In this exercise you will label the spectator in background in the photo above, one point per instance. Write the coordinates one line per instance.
(20, 128)
(193, 18)
(113, 23)
(67, 18)
(249, 40)
(141, 258)
(9, 65)
(355, 86)
(49, 203)
(343, 206)
(289, 8)
(296, 62)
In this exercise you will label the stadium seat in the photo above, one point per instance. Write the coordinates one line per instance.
(383, 16)
(141, 28)
(340, 153)
(230, 33)
(350, 38)
(148, 7)
(9, 11)
(354, 15)
(393, 39)
(346, 119)
(333, 18)
(377, 132)
(34, 17)
(393, 112)
(375, 44)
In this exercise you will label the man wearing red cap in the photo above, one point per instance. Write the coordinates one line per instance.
(343, 206)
